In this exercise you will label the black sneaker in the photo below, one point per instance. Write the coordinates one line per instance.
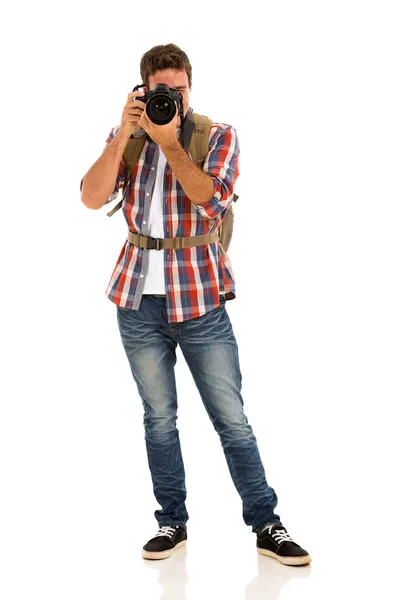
(274, 541)
(167, 539)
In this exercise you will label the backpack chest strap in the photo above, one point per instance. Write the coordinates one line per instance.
(150, 243)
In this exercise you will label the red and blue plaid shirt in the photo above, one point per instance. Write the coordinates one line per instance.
(194, 277)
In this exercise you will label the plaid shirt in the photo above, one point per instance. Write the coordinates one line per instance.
(194, 277)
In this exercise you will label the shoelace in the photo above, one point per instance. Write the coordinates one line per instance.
(166, 530)
(280, 535)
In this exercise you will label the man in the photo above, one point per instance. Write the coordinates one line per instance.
(178, 296)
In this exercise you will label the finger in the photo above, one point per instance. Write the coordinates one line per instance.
(132, 95)
(133, 110)
(136, 93)
(135, 104)
(133, 113)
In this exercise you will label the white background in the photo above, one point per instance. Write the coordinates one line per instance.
(312, 89)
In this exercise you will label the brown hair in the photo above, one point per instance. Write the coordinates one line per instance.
(168, 56)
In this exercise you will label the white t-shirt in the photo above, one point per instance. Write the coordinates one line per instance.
(155, 281)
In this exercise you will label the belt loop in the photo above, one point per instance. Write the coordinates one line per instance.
(158, 243)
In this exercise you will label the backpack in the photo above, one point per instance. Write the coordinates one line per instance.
(198, 148)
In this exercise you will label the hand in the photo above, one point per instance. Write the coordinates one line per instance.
(164, 135)
(132, 112)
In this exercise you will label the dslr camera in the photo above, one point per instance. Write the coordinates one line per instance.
(161, 103)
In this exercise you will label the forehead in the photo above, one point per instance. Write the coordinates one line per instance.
(172, 77)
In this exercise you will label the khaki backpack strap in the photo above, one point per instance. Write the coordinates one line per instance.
(143, 241)
(131, 155)
(132, 152)
(116, 207)
(198, 146)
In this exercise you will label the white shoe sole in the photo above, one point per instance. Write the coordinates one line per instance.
(286, 560)
(164, 554)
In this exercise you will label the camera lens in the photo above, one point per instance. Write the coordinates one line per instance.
(161, 109)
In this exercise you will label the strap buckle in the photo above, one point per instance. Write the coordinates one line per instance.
(154, 244)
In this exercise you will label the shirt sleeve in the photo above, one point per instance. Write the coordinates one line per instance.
(119, 183)
(222, 164)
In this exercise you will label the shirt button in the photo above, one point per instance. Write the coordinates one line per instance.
(141, 275)
(147, 194)
(144, 222)
(152, 168)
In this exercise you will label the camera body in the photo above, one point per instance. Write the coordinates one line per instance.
(161, 103)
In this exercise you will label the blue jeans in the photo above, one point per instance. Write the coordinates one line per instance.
(210, 350)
